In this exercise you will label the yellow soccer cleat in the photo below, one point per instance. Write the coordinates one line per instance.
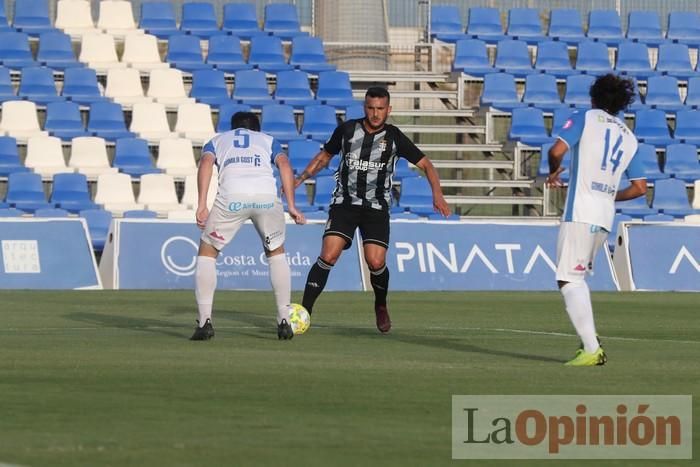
(584, 358)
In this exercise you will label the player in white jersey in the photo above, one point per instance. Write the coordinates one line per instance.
(247, 191)
(602, 149)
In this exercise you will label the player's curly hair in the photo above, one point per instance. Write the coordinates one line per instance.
(612, 93)
(246, 120)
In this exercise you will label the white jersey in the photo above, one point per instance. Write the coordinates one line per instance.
(244, 159)
(602, 148)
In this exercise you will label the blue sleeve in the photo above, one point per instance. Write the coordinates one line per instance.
(276, 149)
(635, 170)
(573, 128)
(209, 147)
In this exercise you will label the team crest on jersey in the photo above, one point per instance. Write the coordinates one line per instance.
(382, 145)
(568, 124)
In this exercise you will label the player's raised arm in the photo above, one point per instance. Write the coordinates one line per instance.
(287, 177)
(204, 172)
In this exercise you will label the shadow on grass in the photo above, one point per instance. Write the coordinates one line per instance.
(153, 326)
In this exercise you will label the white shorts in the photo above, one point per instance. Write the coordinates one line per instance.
(265, 211)
(576, 249)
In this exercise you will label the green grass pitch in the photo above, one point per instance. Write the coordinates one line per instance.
(109, 378)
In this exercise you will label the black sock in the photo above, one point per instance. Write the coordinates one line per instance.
(380, 283)
(315, 282)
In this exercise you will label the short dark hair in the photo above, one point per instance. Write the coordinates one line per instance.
(612, 93)
(377, 91)
(245, 120)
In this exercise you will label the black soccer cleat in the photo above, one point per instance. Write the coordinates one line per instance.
(284, 330)
(204, 333)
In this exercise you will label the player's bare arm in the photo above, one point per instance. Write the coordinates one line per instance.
(636, 189)
(318, 163)
(287, 177)
(555, 156)
(206, 168)
(431, 174)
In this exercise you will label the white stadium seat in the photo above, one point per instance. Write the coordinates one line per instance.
(696, 194)
(99, 52)
(194, 122)
(115, 193)
(20, 120)
(141, 52)
(116, 17)
(189, 197)
(150, 121)
(176, 157)
(45, 156)
(167, 87)
(75, 17)
(89, 156)
(124, 86)
(158, 193)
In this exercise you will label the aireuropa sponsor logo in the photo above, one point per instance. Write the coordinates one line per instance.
(572, 427)
(236, 206)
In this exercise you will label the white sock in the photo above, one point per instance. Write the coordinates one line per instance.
(205, 285)
(577, 298)
(281, 280)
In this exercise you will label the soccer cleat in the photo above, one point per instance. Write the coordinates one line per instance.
(284, 330)
(204, 333)
(584, 358)
(383, 320)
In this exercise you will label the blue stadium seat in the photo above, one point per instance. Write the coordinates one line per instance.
(300, 153)
(70, 192)
(553, 58)
(559, 118)
(131, 156)
(37, 85)
(636, 207)
(26, 192)
(308, 55)
(56, 51)
(4, 25)
(446, 23)
(64, 121)
(541, 91)
(158, 19)
(593, 58)
(278, 121)
(633, 60)
(301, 199)
(658, 218)
(416, 196)
(524, 25)
(334, 89)
(11, 212)
(209, 86)
(240, 19)
(527, 126)
(403, 170)
(692, 98)
(638, 102)
(354, 111)
(80, 85)
(226, 111)
(605, 26)
(106, 120)
(485, 24)
(7, 91)
(650, 127)
(140, 214)
(98, 222)
(471, 57)
(684, 27)
(674, 60)
(32, 17)
(9, 157)
(14, 50)
(323, 192)
(543, 169)
(293, 89)
(250, 88)
(671, 197)
(682, 162)
(435, 216)
(281, 20)
(644, 27)
(225, 54)
(319, 122)
(185, 53)
(199, 19)
(267, 54)
(565, 25)
(51, 212)
(688, 126)
(513, 57)
(650, 162)
(499, 92)
(662, 93)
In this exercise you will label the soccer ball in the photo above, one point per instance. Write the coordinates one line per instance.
(299, 318)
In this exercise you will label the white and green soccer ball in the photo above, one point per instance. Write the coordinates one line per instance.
(299, 318)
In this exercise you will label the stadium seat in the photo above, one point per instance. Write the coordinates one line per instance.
(565, 25)
(7, 91)
(51, 212)
(593, 58)
(185, 53)
(226, 111)
(674, 60)
(240, 19)
(158, 194)
(513, 57)
(199, 19)
(301, 200)
(662, 93)
(527, 127)
(650, 126)
(89, 156)
(124, 86)
(250, 87)
(684, 27)
(4, 25)
(116, 17)
(267, 54)
(559, 118)
(682, 162)
(403, 169)
(98, 222)
(417, 196)
(278, 121)
(99, 52)
(132, 157)
(141, 214)
(319, 122)
(605, 26)
(446, 23)
(485, 24)
(64, 121)
(543, 168)
(334, 89)
(150, 122)
(644, 27)
(194, 122)
(209, 87)
(692, 98)
(115, 193)
(633, 60)
(636, 207)
(37, 85)
(300, 153)
(323, 191)
(158, 18)
(189, 196)
(696, 194)
(70, 192)
(225, 54)
(293, 89)
(671, 197)
(658, 218)
(14, 50)
(32, 17)
(499, 92)
(141, 52)
(553, 58)
(176, 157)
(20, 120)
(354, 111)
(524, 25)
(56, 51)
(74, 17)
(308, 55)
(9, 157)
(541, 91)
(26, 192)
(687, 127)
(167, 87)
(692, 218)
(11, 212)
(646, 153)
(106, 120)
(80, 85)
(45, 156)
(281, 20)
(471, 58)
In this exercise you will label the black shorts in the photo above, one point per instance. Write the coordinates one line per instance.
(373, 224)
